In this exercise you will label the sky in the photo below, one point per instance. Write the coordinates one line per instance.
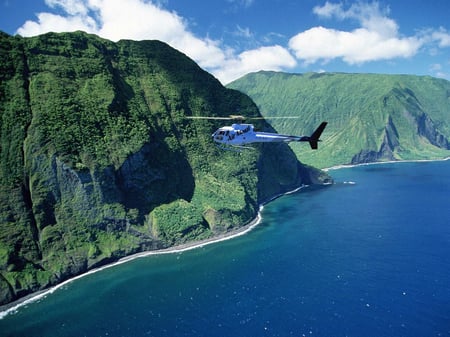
(230, 38)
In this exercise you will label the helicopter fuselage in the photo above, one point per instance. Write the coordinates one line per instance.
(243, 134)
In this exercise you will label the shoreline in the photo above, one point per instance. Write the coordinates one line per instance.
(344, 166)
(13, 307)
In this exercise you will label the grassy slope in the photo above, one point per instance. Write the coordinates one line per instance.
(359, 109)
(98, 160)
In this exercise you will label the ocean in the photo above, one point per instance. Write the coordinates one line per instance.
(366, 256)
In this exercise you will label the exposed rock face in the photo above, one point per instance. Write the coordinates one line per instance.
(427, 129)
(98, 159)
(390, 143)
(387, 148)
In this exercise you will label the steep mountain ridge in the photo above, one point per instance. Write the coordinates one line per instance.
(98, 159)
(372, 117)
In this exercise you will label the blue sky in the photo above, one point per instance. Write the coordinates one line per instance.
(230, 38)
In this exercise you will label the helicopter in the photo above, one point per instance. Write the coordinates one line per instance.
(238, 135)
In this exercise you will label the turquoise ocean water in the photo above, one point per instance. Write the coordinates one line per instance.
(367, 256)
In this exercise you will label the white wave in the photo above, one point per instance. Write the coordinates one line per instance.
(179, 249)
(338, 167)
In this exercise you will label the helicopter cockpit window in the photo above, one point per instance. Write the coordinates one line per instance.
(219, 135)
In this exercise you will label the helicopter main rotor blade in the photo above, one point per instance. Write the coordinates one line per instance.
(224, 118)
(241, 118)
(278, 117)
(209, 117)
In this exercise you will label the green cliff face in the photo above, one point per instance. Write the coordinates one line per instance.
(98, 159)
(371, 117)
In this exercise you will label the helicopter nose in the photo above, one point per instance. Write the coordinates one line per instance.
(215, 136)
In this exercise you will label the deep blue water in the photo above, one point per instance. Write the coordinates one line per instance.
(365, 259)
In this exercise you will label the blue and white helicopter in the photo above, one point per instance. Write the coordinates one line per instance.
(238, 135)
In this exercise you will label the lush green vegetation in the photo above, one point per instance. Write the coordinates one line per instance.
(98, 159)
(371, 117)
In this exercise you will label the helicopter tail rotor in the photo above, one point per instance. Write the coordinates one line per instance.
(315, 137)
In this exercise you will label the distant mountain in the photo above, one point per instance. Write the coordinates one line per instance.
(371, 117)
(98, 159)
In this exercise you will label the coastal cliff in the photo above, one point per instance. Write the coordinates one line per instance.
(98, 160)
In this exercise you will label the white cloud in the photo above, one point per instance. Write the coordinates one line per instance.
(442, 37)
(369, 15)
(437, 70)
(376, 39)
(48, 22)
(358, 46)
(329, 10)
(71, 7)
(137, 19)
(146, 20)
(273, 58)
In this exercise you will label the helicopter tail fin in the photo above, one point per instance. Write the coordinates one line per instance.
(315, 137)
